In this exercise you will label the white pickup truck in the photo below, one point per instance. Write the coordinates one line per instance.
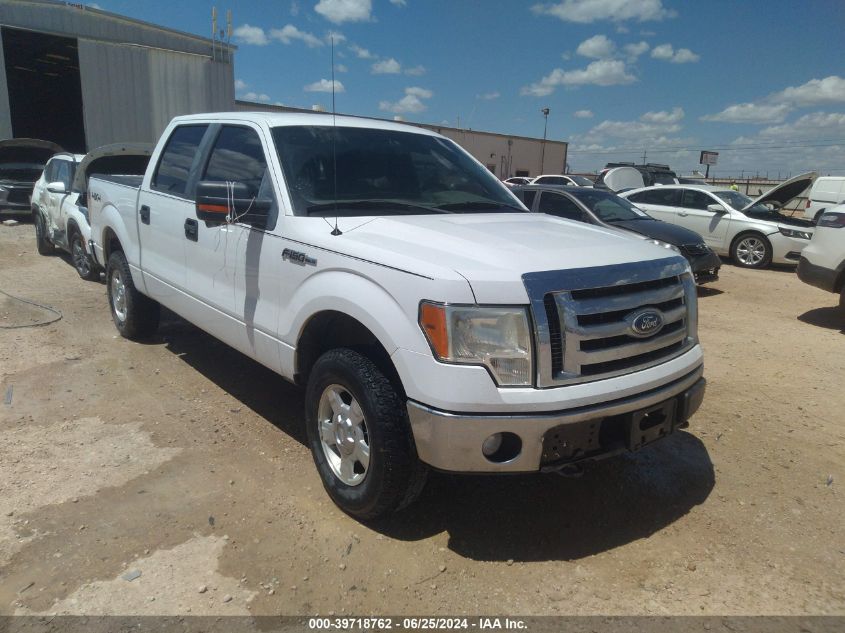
(433, 322)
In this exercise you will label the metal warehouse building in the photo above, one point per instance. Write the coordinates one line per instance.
(82, 78)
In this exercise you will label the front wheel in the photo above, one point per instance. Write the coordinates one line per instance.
(751, 250)
(360, 437)
(42, 242)
(81, 260)
(135, 315)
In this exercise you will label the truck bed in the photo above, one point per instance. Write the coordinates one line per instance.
(130, 180)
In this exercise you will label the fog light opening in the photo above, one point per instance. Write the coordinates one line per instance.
(501, 447)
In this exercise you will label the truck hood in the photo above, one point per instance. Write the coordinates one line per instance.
(491, 251)
(660, 230)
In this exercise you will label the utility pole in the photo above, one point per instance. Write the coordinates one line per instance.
(644, 155)
(545, 112)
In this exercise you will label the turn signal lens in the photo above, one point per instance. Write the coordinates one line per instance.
(433, 322)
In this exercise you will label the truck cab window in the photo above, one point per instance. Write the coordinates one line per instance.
(237, 156)
(176, 160)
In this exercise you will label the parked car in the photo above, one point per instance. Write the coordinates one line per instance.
(822, 263)
(604, 208)
(559, 179)
(518, 180)
(751, 233)
(432, 320)
(59, 200)
(652, 174)
(21, 162)
(826, 192)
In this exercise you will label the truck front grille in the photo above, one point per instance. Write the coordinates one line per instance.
(585, 319)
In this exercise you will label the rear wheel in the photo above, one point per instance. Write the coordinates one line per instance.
(81, 260)
(360, 437)
(751, 250)
(42, 243)
(135, 315)
(842, 301)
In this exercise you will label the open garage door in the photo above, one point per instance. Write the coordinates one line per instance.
(45, 91)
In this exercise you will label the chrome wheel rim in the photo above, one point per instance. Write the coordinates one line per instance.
(80, 259)
(343, 435)
(118, 295)
(751, 251)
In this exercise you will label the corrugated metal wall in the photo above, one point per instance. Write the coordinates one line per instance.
(130, 93)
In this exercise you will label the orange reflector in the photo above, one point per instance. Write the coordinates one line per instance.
(213, 208)
(433, 322)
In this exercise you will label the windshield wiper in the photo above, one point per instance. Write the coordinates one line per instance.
(476, 205)
(380, 205)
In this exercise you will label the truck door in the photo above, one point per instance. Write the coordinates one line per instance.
(232, 266)
(164, 208)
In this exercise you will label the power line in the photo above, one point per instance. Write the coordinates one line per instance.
(726, 148)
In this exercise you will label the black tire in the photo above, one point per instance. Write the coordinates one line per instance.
(751, 250)
(42, 242)
(135, 315)
(82, 262)
(394, 476)
(842, 301)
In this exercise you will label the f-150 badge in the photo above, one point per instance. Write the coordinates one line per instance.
(295, 257)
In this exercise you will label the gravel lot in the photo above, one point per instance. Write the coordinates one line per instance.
(184, 461)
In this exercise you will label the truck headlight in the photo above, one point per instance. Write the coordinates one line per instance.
(803, 235)
(666, 245)
(497, 338)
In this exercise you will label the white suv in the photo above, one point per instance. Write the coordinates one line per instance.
(732, 224)
(827, 192)
(822, 263)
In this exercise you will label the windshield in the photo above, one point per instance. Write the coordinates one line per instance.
(609, 207)
(739, 201)
(381, 172)
(581, 181)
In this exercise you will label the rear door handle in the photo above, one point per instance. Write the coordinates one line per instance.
(192, 229)
(683, 214)
(145, 214)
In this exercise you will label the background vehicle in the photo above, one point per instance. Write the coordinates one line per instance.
(604, 208)
(432, 320)
(517, 180)
(751, 233)
(826, 192)
(59, 200)
(559, 179)
(21, 162)
(822, 263)
(652, 174)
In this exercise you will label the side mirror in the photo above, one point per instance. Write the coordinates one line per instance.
(717, 208)
(217, 201)
(57, 187)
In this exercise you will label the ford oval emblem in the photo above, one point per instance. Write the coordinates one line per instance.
(646, 323)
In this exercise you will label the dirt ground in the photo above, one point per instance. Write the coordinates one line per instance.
(183, 461)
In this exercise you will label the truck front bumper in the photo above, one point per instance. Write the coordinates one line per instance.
(534, 442)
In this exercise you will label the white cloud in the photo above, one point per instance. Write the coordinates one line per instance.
(588, 11)
(247, 34)
(324, 85)
(416, 71)
(411, 102)
(635, 50)
(604, 72)
(750, 113)
(288, 33)
(814, 92)
(386, 67)
(399, 3)
(254, 96)
(650, 127)
(597, 47)
(240, 84)
(339, 38)
(663, 117)
(667, 53)
(340, 11)
(341, 68)
(813, 125)
(294, 8)
(583, 114)
(489, 96)
(361, 53)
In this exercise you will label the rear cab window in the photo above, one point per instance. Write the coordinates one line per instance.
(176, 162)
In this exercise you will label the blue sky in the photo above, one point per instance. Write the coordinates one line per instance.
(762, 82)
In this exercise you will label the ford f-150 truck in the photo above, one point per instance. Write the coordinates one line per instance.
(433, 321)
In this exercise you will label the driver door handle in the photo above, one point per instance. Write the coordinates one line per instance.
(145, 214)
(192, 229)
